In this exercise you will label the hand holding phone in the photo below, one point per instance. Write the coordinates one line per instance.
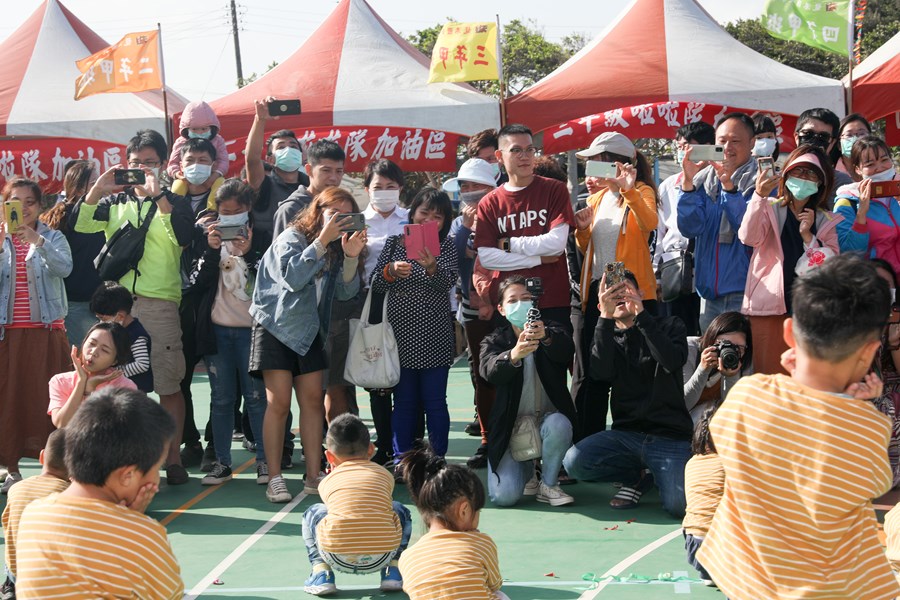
(353, 222)
(599, 168)
(712, 152)
(885, 189)
(416, 238)
(12, 210)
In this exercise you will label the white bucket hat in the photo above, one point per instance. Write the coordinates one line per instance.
(475, 170)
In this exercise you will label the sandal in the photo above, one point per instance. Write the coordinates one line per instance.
(628, 497)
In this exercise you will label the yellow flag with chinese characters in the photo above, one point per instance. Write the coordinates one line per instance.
(465, 52)
(131, 65)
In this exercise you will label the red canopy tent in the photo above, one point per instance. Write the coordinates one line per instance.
(876, 87)
(355, 74)
(668, 51)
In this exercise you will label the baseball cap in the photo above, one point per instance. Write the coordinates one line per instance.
(609, 141)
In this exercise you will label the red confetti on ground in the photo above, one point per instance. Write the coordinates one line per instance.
(630, 521)
(611, 528)
(218, 582)
(550, 574)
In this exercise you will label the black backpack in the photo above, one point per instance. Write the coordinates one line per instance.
(124, 249)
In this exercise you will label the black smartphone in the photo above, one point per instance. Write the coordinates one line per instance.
(535, 286)
(283, 108)
(356, 222)
(129, 177)
(231, 232)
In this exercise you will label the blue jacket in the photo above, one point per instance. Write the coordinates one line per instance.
(284, 299)
(720, 266)
(47, 267)
(460, 234)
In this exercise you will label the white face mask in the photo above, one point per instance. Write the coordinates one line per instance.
(231, 220)
(197, 174)
(764, 147)
(384, 200)
(884, 175)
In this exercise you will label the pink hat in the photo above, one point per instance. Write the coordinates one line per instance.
(808, 160)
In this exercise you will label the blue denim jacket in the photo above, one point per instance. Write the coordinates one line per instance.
(46, 266)
(284, 299)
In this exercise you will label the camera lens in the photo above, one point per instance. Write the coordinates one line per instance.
(730, 357)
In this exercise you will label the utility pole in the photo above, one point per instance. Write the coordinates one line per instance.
(237, 45)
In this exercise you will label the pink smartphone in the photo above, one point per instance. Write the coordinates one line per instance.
(417, 237)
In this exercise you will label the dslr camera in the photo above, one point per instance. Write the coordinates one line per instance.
(729, 354)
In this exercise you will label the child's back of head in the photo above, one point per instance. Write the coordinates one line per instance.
(348, 437)
(116, 428)
(839, 307)
(110, 298)
(53, 456)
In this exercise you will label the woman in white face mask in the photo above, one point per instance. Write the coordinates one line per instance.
(871, 216)
(384, 218)
(788, 233)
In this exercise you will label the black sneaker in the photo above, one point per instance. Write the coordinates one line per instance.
(287, 461)
(474, 428)
(8, 590)
(218, 474)
(176, 475)
(191, 454)
(382, 458)
(209, 458)
(478, 460)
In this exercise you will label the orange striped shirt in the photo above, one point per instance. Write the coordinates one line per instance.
(704, 483)
(451, 565)
(361, 517)
(796, 520)
(86, 548)
(892, 531)
(21, 495)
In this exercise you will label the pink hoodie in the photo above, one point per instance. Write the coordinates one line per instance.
(199, 114)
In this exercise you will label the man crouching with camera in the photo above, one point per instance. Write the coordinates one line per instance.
(527, 360)
(641, 358)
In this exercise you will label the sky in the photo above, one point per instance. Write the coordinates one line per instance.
(198, 49)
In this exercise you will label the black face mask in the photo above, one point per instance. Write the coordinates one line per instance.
(815, 138)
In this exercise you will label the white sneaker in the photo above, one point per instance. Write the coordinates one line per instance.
(554, 496)
(532, 487)
(277, 491)
(311, 486)
(262, 473)
(12, 478)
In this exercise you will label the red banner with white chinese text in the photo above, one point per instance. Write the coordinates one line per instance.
(658, 120)
(44, 159)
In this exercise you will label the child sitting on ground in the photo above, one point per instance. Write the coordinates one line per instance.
(357, 528)
(54, 478)
(115, 447)
(106, 346)
(454, 559)
(804, 455)
(704, 484)
(112, 302)
(199, 121)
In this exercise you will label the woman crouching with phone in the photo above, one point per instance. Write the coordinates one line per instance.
(308, 265)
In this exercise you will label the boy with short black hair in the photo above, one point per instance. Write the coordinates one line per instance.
(54, 477)
(804, 455)
(115, 446)
(112, 302)
(357, 528)
(325, 168)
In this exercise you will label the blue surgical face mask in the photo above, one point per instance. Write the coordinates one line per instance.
(884, 175)
(847, 145)
(288, 159)
(495, 167)
(517, 313)
(801, 188)
(232, 220)
(199, 136)
(197, 174)
(764, 147)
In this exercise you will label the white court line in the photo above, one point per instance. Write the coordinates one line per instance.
(617, 569)
(362, 587)
(229, 560)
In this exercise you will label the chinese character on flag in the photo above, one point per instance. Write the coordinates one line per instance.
(131, 65)
(465, 52)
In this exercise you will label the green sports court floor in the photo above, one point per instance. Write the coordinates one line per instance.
(232, 543)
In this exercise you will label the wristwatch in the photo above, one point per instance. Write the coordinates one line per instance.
(504, 244)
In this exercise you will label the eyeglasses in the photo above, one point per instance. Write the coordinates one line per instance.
(804, 173)
(814, 137)
(517, 152)
(150, 164)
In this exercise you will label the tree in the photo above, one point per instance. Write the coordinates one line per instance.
(254, 75)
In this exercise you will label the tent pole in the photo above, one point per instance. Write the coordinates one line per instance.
(851, 34)
(573, 176)
(162, 71)
(500, 73)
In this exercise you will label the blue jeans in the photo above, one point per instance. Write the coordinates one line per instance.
(78, 320)
(506, 486)
(617, 455)
(421, 389)
(710, 309)
(233, 357)
(313, 515)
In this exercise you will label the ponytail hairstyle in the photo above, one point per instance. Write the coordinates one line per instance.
(76, 183)
(435, 486)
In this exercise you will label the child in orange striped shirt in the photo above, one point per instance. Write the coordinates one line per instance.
(54, 478)
(357, 528)
(804, 455)
(453, 561)
(704, 484)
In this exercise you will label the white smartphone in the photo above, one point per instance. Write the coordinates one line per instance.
(711, 152)
(599, 168)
